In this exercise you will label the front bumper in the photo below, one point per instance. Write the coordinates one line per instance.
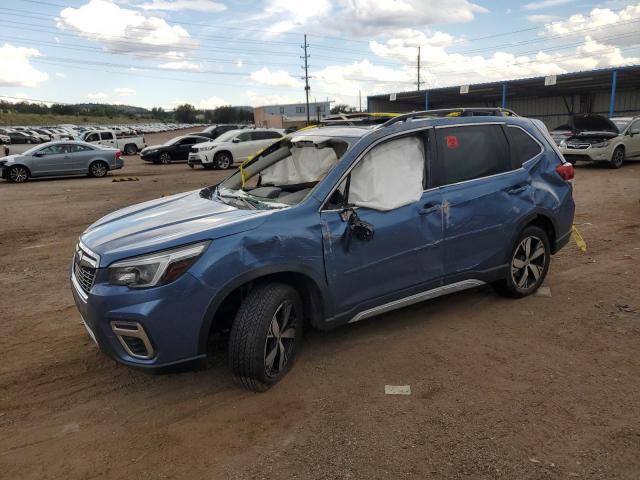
(166, 320)
(199, 158)
(587, 154)
(147, 157)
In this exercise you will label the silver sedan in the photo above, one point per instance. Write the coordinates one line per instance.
(60, 158)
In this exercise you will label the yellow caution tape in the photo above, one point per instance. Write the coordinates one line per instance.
(454, 114)
(575, 234)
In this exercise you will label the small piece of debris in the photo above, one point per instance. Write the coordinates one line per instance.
(397, 389)
(126, 179)
(543, 292)
(534, 460)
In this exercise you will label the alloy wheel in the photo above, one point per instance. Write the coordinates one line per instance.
(528, 263)
(223, 161)
(280, 339)
(618, 157)
(98, 169)
(18, 174)
(165, 158)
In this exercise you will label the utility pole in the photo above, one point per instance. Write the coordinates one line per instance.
(418, 68)
(306, 73)
(360, 101)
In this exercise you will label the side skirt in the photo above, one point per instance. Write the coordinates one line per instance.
(417, 298)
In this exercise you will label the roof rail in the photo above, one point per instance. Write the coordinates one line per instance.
(453, 112)
(357, 118)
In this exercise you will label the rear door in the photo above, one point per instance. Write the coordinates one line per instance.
(108, 139)
(182, 148)
(484, 195)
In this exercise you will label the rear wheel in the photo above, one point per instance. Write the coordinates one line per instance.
(130, 149)
(617, 159)
(18, 174)
(98, 169)
(529, 263)
(265, 335)
(222, 160)
(165, 158)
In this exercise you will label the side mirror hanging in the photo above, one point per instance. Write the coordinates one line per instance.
(362, 230)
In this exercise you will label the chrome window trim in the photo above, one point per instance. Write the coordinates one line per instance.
(456, 125)
(417, 298)
(359, 159)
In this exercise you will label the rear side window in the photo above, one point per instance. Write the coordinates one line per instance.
(106, 136)
(523, 147)
(469, 152)
(77, 148)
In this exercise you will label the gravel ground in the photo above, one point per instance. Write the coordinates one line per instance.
(538, 388)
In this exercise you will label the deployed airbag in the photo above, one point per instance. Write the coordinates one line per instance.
(389, 176)
(305, 165)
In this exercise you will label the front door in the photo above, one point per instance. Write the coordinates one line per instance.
(107, 139)
(386, 190)
(245, 146)
(52, 160)
(633, 141)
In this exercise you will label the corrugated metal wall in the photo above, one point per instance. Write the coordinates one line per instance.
(551, 110)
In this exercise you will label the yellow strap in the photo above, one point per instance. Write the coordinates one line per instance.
(575, 234)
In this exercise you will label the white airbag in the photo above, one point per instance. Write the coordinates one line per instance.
(304, 165)
(389, 176)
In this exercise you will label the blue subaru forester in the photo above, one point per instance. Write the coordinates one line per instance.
(327, 226)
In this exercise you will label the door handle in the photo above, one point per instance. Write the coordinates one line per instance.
(517, 189)
(428, 208)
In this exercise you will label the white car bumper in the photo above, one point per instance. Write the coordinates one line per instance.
(200, 158)
(602, 154)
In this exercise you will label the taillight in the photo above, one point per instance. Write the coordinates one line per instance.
(118, 154)
(565, 171)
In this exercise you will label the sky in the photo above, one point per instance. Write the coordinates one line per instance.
(229, 52)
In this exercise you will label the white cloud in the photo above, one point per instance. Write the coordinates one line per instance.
(183, 65)
(98, 96)
(211, 103)
(239, 63)
(368, 17)
(177, 5)
(124, 91)
(15, 70)
(541, 18)
(546, 4)
(60, 75)
(124, 30)
(277, 78)
(257, 100)
(601, 24)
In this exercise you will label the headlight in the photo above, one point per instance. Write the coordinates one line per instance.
(600, 144)
(207, 148)
(155, 269)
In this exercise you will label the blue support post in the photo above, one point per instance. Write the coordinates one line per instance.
(612, 101)
(426, 99)
(504, 95)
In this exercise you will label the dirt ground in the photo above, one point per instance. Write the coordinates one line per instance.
(538, 388)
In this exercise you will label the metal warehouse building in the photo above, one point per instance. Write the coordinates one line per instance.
(552, 99)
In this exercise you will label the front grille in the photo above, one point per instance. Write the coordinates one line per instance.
(578, 146)
(85, 276)
(85, 268)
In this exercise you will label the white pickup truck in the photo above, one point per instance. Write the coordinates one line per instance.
(128, 144)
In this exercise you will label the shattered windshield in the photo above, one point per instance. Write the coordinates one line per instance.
(282, 175)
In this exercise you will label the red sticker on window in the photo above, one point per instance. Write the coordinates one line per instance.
(452, 141)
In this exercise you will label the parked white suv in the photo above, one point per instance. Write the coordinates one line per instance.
(232, 147)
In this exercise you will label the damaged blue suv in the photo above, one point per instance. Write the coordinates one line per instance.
(330, 225)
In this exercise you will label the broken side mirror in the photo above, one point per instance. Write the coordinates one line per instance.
(363, 231)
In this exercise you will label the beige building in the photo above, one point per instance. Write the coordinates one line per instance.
(289, 115)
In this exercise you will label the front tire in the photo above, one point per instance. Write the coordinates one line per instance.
(18, 174)
(165, 158)
(98, 169)
(617, 159)
(222, 161)
(528, 264)
(265, 335)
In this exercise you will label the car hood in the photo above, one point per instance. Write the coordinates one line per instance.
(152, 147)
(9, 159)
(166, 223)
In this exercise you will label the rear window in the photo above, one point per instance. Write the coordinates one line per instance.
(523, 147)
(469, 152)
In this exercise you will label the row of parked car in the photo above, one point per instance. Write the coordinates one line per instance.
(35, 135)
